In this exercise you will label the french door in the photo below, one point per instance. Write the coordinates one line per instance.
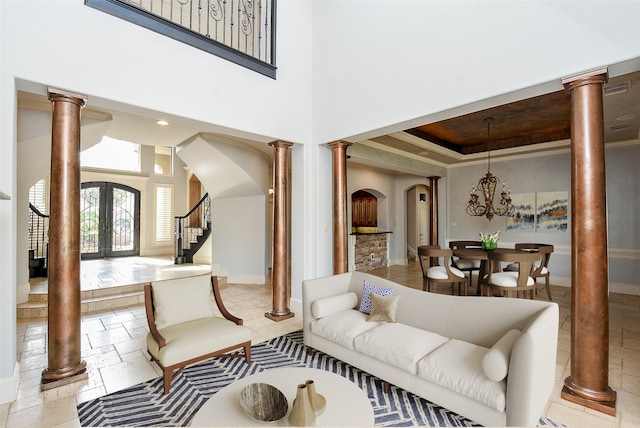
(109, 220)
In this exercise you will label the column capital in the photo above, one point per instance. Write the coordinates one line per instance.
(59, 95)
(339, 144)
(280, 144)
(598, 76)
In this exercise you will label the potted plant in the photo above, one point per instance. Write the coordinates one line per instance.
(490, 240)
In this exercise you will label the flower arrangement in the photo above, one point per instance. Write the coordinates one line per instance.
(490, 240)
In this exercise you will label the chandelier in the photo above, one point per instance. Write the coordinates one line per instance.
(487, 188)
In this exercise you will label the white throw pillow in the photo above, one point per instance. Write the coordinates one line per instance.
(329, 305)
(181, 300)
(495, 364)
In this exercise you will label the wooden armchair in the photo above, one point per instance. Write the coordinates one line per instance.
(540, 269)
(185, 328)
(466, 265)
(511, 283)
(433, 272)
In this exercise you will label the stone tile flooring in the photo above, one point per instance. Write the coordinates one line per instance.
(113, 345)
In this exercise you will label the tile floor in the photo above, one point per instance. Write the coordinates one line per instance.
(114, 349)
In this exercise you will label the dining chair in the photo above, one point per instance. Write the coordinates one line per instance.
(466, 265)
(511, 283)
(541, 269)
(433, 272)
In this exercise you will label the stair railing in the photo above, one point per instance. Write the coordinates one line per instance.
(186, 226)
(38, 235)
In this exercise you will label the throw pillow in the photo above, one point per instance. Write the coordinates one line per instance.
(495, 363)
(367, 289)
(383, 308)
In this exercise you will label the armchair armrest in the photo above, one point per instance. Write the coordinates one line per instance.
(223, 310)
(148, 305)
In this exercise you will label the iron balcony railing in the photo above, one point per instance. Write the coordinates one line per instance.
(241, 31)
(38, 237)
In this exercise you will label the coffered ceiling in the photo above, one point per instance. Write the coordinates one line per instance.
(523, 126)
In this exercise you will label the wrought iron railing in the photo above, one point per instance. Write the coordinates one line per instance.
(191, 225)
(38, 234)
(242, 31)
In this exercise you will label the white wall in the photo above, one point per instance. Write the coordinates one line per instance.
(387, 64)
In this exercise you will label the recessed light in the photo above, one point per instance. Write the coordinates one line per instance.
(162, 122)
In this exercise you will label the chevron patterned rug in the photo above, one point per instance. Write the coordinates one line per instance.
(145, 405)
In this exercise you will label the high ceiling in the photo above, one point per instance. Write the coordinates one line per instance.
(542, 119)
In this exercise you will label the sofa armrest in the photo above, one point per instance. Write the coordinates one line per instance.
(532, 369)
(314, 289)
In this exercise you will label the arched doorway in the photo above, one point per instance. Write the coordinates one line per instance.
(418, 219)
(109, 220)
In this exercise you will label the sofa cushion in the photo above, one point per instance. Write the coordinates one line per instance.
(367, 289)
(457, 365)
(495, 363)
(328, 305)
(398, 344)
(383, 308)
(182, 300)
(196, 338)
(342, 327)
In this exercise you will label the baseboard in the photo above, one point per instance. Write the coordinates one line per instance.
(9, 386)
(295, 305)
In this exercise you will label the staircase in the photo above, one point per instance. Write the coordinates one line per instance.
(192, 230)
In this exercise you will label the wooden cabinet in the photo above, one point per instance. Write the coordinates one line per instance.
(364, 209)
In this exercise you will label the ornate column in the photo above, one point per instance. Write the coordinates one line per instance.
(340, 242)
(280, 271)
(65, 364)
(588, 384)
(433, 209)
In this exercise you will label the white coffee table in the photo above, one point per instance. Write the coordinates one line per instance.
(347, 405)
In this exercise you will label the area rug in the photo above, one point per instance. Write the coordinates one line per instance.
(145, 404)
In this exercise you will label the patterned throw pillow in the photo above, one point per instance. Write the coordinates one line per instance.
(367, 289)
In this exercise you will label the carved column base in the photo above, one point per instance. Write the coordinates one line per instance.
(55, 378)
(602, 401)
(279, 315)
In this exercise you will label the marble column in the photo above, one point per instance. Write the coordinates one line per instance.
(340, 231)
(433, 209)
(588, 383)
(280, 271)
(65, 364)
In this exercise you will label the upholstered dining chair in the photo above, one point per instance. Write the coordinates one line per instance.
(511, 283)
(540, 269)
(466, 265)
(433, 272)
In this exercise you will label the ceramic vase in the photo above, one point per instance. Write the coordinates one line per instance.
(302, 414)
(318, 402)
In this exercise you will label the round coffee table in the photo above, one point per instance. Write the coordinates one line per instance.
(347, 405)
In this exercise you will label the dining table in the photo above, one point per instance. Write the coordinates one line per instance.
(482, 254)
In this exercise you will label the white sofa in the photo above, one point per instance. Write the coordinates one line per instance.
(450, 350)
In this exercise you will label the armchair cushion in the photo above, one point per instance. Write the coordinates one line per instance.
(198, 337)
(508, 279)
(194, 292)
(439, 272)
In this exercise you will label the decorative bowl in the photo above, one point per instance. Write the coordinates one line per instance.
(263, 402)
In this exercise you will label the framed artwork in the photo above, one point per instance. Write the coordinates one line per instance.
(552, 210)
(522, 219)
